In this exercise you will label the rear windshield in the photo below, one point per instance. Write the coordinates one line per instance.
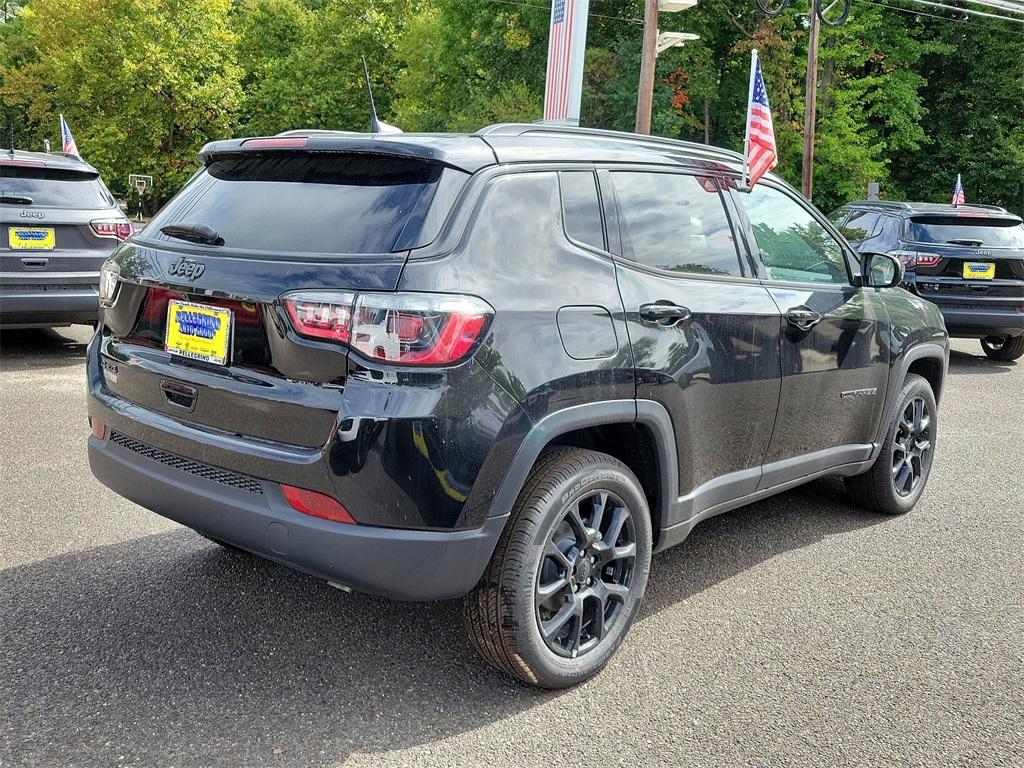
(52, 188)
(962, 230)
(326, 203)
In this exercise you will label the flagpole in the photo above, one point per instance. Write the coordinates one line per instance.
(750, 100)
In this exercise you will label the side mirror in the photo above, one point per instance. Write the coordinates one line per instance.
(880, 270)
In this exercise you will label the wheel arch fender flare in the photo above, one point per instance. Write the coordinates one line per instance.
(924, 351)
(647, 413)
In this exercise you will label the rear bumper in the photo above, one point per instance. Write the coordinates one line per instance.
(978, 322)
(397, 563)
(48, 303)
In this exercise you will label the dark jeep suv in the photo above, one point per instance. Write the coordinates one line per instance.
(59, 224)
(509, 365)
(967, 259)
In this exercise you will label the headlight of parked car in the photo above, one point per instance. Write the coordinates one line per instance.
(109, 275)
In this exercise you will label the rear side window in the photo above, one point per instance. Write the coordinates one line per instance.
(581, 208)
(52, 188)
(861, 225)
(966, 230)
(675, 222)
(326, 203)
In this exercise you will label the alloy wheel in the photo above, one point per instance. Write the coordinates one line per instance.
(585, 573)
(911, 448)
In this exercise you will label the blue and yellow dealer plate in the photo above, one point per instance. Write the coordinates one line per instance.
(31, 238)
(979, 270)
(198, 331)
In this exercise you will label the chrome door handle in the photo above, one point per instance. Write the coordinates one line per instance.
(803, 318)
(664, 314)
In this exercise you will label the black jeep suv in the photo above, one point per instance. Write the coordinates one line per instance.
(967, 259)
(509, 365)
(59, 223)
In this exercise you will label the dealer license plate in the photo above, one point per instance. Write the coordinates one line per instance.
(979, 270)
(31, 238)
(198, 331)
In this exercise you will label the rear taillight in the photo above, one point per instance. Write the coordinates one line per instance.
(316, 504)
(120, 229)
(109, 274)
(913, 259)
(404, 328)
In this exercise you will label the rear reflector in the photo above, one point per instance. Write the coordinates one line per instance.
(98, 428)
(316, 504)
(294, 141)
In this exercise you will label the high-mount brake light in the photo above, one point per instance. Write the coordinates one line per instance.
(119, 229)
(24, 163)
(429, 329)
(280, 143)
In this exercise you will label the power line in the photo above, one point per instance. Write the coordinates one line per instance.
(958, 9)
(937, 16)
(548, 9)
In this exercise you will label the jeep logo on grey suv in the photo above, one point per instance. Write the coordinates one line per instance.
(188, 269)
(32, 215)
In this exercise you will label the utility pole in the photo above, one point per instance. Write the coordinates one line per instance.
(645, 95)
(811, 97)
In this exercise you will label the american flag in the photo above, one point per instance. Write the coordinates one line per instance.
(68, 141)
(958, 192)
(760, 154)
(556, 90)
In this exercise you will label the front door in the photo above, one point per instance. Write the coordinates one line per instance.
(835, 355)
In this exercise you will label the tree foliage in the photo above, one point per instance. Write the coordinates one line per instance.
(905, 100)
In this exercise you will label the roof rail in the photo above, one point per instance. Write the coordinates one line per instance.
(520, 129)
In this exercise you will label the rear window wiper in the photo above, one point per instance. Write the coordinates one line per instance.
(965, 242)
(194, 233)
(16, 200)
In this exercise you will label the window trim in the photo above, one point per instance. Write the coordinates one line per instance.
(848, 253)
(605, 175)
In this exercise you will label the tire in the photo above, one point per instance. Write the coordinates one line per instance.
(886, 487)
(541, 548)
(1004, 348)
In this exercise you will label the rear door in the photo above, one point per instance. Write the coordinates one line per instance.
(835, 355)
(704, 331)
(968, 261)
(57, 225)
(282, 221)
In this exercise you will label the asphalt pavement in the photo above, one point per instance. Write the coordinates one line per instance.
(798, 631)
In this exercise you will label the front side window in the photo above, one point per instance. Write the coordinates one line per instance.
(675, 222)
(793, 245)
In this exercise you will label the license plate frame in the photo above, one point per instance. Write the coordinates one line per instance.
(979, 270)
(186, 336)
(17, 240)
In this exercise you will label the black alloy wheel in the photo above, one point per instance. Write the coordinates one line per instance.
(566, 579)
(585, 573)
(912, 446)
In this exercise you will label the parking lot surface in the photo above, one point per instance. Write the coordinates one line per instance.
(798, 631)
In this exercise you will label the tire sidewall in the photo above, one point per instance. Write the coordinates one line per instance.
(556, 671)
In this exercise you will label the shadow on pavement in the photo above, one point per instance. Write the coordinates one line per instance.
(169, 650)
(23, 349)
(964, 362)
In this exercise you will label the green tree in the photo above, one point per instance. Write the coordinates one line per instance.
(142, 94)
